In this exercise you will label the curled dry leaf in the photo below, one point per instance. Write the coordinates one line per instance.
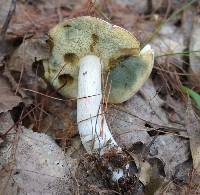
(145, 172)
(171, 150)
(148, 172)
(156, 180)
(26, 60)
(8, 99)
(192, 123)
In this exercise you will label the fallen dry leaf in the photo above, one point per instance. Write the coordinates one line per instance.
(4, 8)
(169, 40)
(25, 59)
(131, 120)
(60, 123)
(156, 180)
(145, 172)
(171, 150)
(41, 166)
(6, 154)
(7, 46)
(6, 122)
(149, 93)
(192, 124)
(149, 173)
(8, 99)
(182, 173)
(31, 50)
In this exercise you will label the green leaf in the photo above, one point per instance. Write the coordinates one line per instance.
(194, 95)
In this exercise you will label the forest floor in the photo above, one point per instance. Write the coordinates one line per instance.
(159, 127)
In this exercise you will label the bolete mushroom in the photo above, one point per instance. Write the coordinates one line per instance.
(83, 50)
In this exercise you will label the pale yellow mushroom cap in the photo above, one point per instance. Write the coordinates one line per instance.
(73, 39)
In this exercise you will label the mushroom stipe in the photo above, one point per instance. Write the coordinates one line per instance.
(83, 50)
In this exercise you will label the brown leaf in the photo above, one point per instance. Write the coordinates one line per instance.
(149, 93)
(26, 60)
(192, 123)
(132, 119)
(6, 153)
(171, 150)
(6, 122)
(8, 99)
(4, 8)
(59, 123)
(39, 163)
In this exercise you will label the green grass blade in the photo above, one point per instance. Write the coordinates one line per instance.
(194, 95)
(184, 53)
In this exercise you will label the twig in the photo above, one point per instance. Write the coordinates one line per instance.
(55, 98)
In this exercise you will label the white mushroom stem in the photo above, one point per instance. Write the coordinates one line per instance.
(93, 129)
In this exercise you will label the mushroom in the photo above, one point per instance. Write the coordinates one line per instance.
(84, 50)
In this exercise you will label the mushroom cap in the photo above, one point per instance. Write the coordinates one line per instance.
(130, 74)
(73, 39)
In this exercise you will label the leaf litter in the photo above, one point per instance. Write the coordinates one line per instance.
(8, 99)
(149, 126)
